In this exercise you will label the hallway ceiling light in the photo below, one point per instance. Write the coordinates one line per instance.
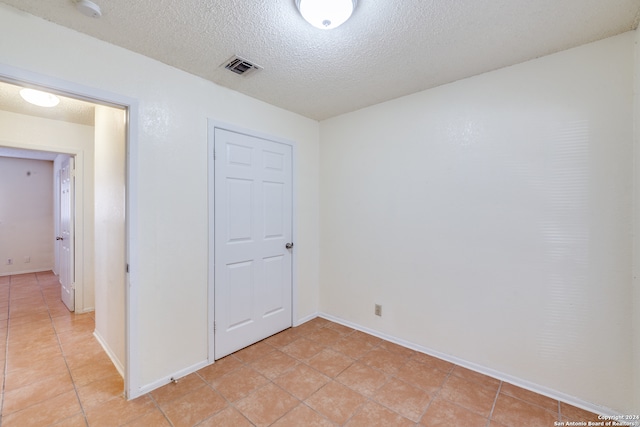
(326, 14)
(39, 98)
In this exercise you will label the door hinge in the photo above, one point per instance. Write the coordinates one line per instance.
(214, 154)
(127, 268)
(214, 327)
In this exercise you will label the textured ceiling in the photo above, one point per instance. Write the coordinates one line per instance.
(68, 110)
(389, 48)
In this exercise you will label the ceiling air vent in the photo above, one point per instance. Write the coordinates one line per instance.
(241, 66)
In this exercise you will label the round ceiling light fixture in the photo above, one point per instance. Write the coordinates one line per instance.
(39, 98)
(326, 14)
(89, 8)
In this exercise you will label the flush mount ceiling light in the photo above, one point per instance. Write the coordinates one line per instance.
(39, 98)
(326, 14)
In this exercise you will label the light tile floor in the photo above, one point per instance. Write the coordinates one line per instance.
(318, 374)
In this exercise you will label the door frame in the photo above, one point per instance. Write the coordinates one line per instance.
(212, 125)
(51, 84)
(78, 155)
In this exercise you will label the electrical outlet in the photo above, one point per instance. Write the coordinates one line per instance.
(27, 259)
(9, 261)
(378, 310)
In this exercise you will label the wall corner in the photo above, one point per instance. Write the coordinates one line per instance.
(636, 225)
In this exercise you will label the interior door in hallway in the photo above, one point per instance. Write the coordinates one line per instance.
(253, 240)
(66, 237)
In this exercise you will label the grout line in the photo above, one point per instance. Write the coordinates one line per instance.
(560, 406)
(229, 403)
(388, 376)
(494, 403)
(331, 379)
(64, 357)
(439, 390)
(369, 399)
(159, 408)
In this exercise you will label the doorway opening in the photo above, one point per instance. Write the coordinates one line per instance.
(252, 289)
(93, 134)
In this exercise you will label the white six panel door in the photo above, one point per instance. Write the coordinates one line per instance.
(66, 234)
(253, 224)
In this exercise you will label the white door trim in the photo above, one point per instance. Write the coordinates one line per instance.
(211, 126)
(25, 77)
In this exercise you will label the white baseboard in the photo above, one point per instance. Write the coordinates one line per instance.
(305, 319)
(15, 273)
(169, 378)
(184, 372)
(528, 385)
(110, 353)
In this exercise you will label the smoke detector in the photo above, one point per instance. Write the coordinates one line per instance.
(88, 8)
(240, 66)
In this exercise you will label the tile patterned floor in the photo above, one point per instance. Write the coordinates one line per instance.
(318, 374)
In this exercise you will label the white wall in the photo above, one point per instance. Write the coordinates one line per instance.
(26, 215)
(636, 218)
(22, 131)
(492, 219)
(171, 190)
(110, 165)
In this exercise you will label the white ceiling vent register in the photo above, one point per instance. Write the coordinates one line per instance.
(241, 66)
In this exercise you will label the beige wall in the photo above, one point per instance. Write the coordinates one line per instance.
(26, 215)
(636, 218)
(171, 188)
(110, 165)
(492, 219)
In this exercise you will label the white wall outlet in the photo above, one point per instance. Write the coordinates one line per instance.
(9, 261)
(27, 259)
(378, 310)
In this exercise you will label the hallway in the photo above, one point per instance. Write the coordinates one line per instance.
(317, 374)
(53, 362)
